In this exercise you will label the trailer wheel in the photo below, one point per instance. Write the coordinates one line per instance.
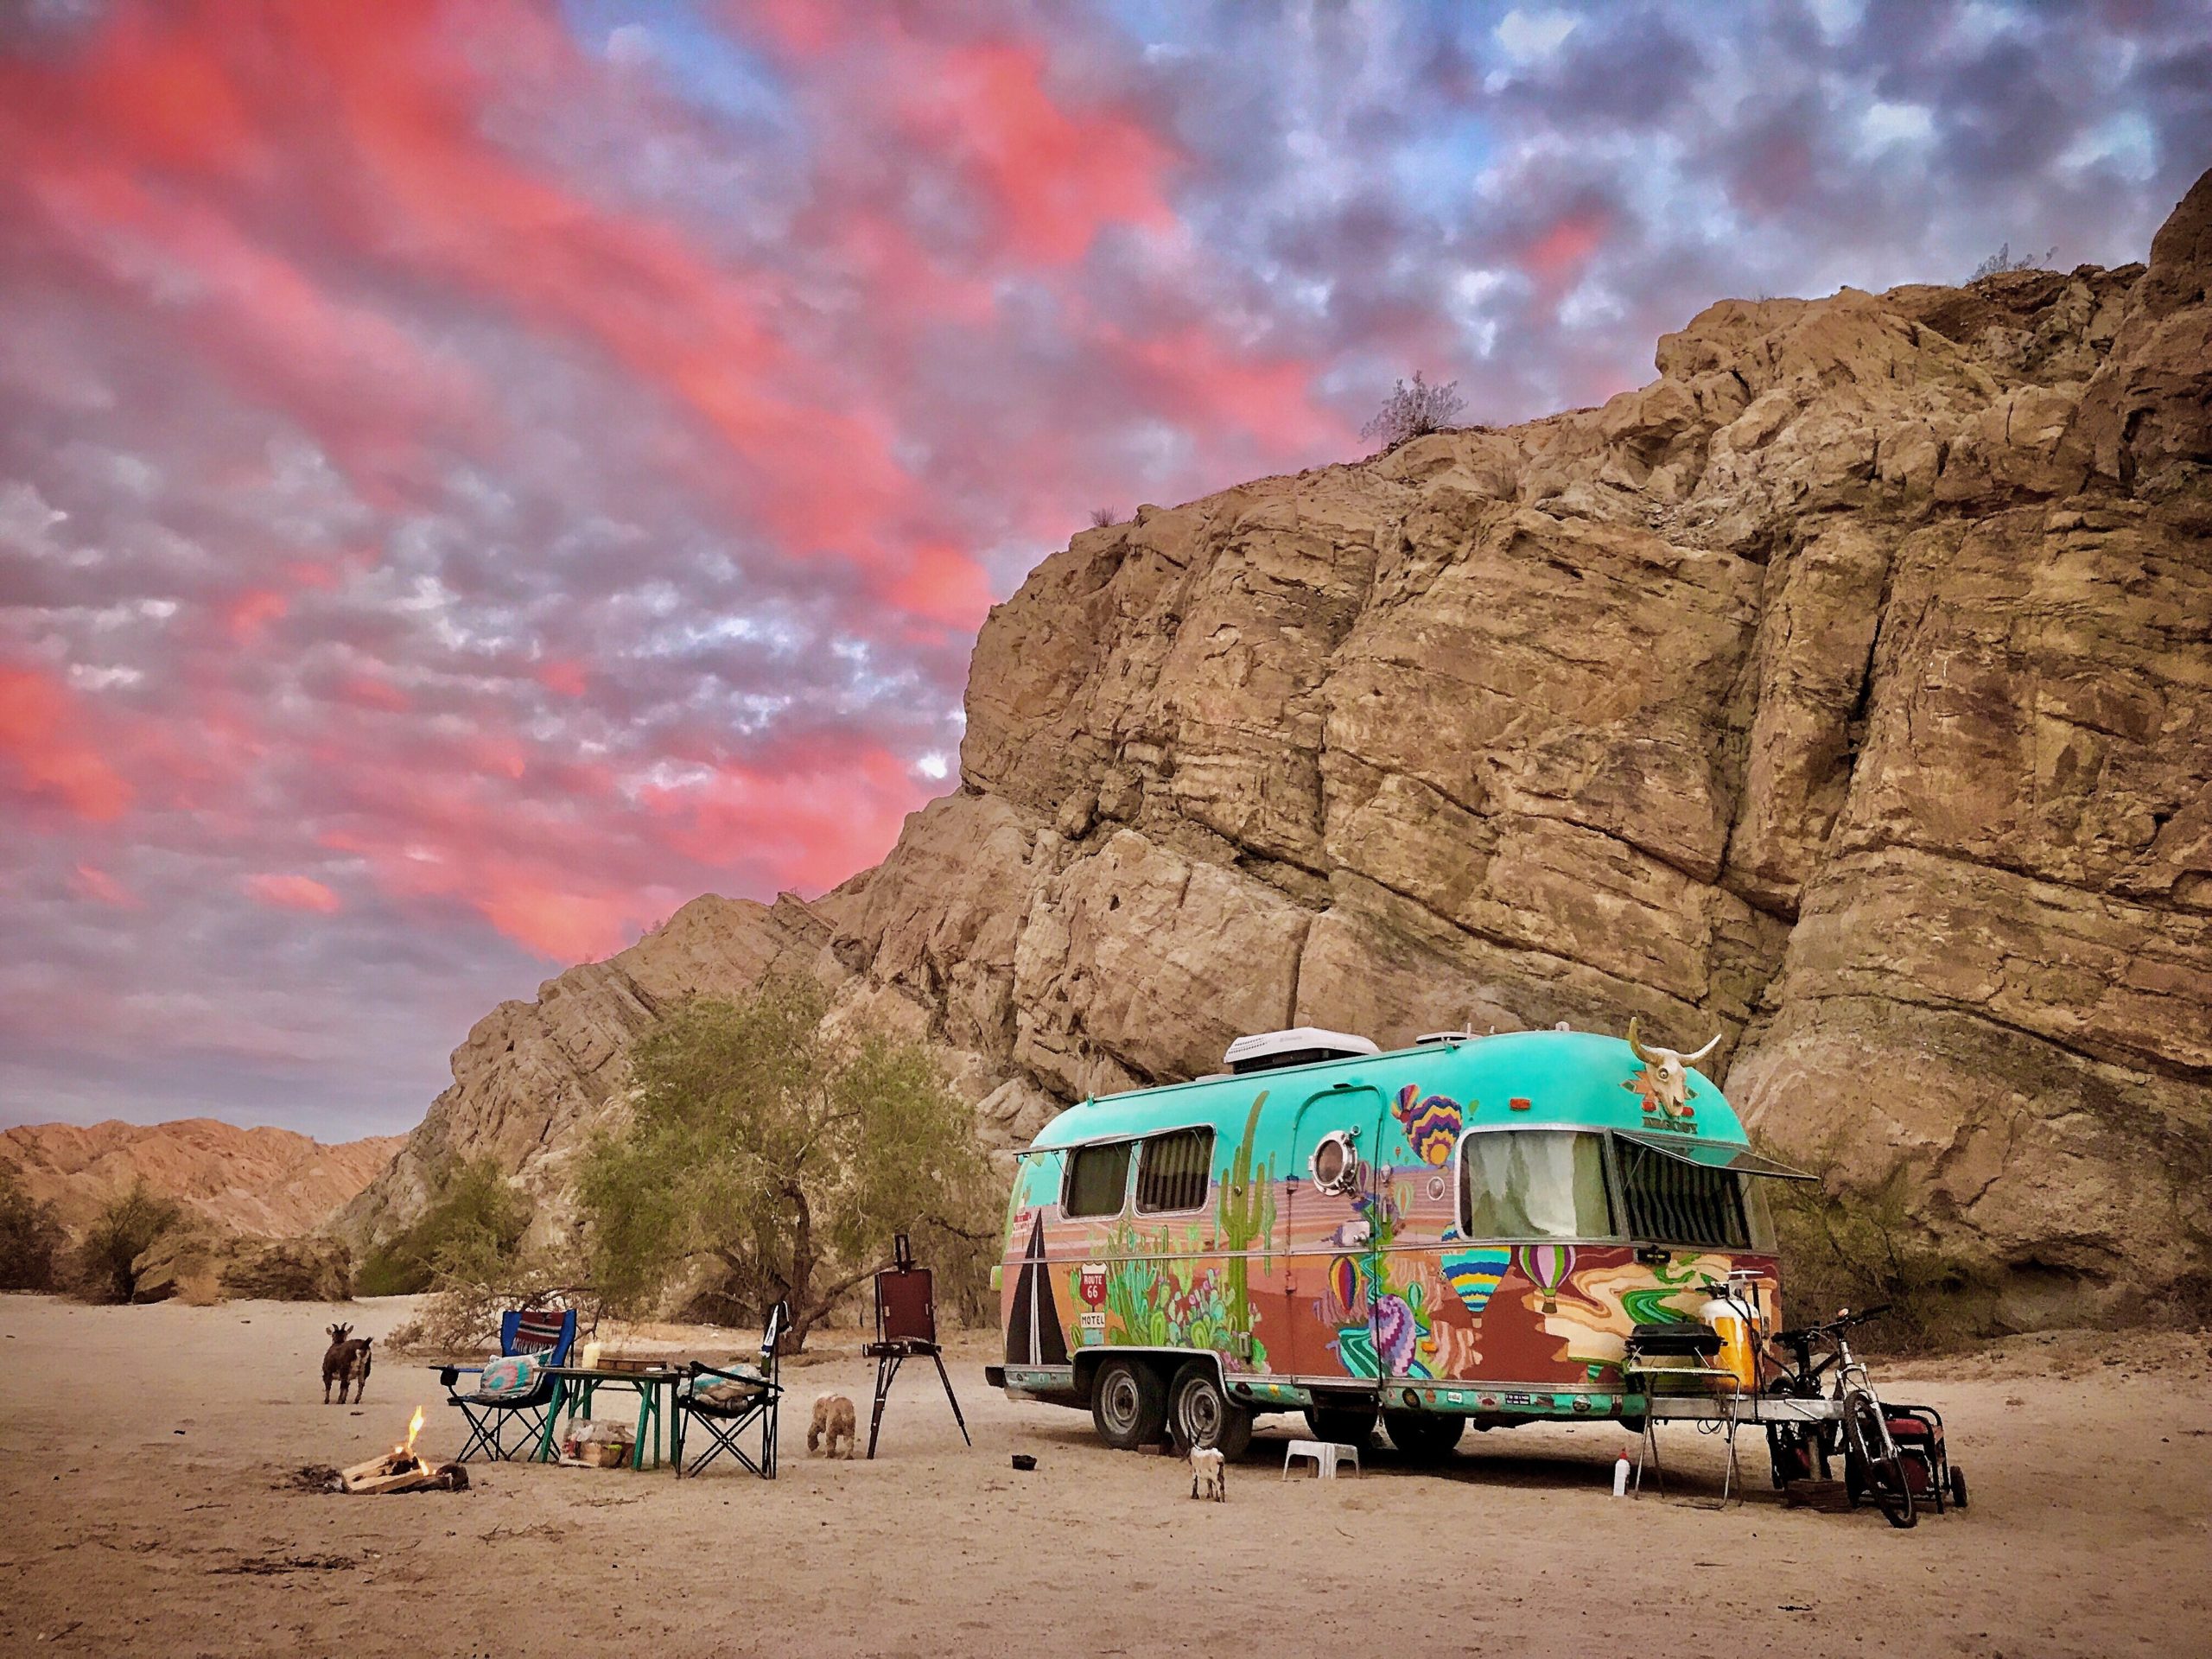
(1342, 1425)
(1199, 1414)
(1128, 1404)
(1424, 1436)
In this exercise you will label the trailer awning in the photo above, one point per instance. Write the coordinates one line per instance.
(1710, 1155)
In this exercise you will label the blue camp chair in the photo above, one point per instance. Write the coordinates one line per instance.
(504, 1426)
(728, 1400)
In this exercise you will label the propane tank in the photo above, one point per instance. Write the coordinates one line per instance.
(1732, 1319)
(1620, 1477)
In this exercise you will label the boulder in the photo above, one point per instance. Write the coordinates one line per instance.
(199, 1266)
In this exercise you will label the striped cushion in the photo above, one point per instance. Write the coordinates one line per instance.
(540, 1332)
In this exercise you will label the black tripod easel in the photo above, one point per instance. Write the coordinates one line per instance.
(906, 1328)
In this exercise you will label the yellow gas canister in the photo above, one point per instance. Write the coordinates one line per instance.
(1732, 1321)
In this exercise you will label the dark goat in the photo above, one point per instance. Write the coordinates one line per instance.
(347, 1360)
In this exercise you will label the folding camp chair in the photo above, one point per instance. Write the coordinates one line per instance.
(906, 1328)
(729, 1400)
(503, 1425)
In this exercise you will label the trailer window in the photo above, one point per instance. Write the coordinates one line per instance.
(1099, 1180)
(1534, 1184)
(1672, 1201)
(1173, 1171)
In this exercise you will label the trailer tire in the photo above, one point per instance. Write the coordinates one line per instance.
(1128, 1404)
(1424, 1436)
(1201, 1413)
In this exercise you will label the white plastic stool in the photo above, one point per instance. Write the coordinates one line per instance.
(1324, 1456)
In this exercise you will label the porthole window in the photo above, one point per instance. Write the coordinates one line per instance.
(1334, 1164)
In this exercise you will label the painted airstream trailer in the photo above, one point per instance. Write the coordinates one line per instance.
(1466, 1230)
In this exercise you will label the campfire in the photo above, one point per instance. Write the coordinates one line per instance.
(401, 1471)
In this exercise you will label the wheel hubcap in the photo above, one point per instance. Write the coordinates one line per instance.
(1201, 1415)
(1119, 1401)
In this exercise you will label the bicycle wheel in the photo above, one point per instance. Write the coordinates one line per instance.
(1870, 1460)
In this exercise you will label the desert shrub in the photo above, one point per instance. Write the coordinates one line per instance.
(1101, 517)
(32, 1243)
(123, 1231)
(471, 1230)
(1412, 411)
(2003, 260)
(766, 1156)
(1842, 1248)
(461, 1316)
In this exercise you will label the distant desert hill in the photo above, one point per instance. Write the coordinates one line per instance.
(267, 1183)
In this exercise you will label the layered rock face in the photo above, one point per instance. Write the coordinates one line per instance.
(263, 1182)
(1846, 690)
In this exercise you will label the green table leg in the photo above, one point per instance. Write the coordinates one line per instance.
(648, 1412)
(552, 1416)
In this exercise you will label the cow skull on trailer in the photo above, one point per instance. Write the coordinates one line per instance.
(1665, 1083)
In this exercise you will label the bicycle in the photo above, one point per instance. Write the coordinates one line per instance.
(1871, 1465)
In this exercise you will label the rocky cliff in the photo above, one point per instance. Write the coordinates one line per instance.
(1847, 689)
(263, 1182)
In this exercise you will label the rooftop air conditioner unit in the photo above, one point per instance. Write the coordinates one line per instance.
(1268, 1051)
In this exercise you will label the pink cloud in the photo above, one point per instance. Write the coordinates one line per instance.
(292, 892)
(45, 755)
(96, 883)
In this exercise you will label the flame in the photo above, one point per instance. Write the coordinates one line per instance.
(414, 1427)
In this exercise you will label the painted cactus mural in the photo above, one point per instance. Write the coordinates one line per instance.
(1245, 1216)
(1149, 1306)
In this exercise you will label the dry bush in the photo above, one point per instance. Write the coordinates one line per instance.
(1842, 1248)
(1413, 411)
(461, 1316)
(33, 1248)
(2002, 261)
(1101, 517)
(124, 1230)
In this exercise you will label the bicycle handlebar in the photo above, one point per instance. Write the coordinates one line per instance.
(1842, 1322)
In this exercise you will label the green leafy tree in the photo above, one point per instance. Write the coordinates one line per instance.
(124, 1230)
(781, 1158)
(471, 1230)
(31, 1239)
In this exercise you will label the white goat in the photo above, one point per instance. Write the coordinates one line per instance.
(1209, 1474)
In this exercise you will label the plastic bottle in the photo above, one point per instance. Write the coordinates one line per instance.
(1620, 1477)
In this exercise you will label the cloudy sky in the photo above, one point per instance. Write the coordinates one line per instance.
(474, 476)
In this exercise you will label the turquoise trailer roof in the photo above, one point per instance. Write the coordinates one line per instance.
(1575, 1078)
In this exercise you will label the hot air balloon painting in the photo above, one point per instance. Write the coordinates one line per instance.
(1473, 1275)
(1546, 1266)
(1431, 1124)
(1347, 1294)
(1396, 1334)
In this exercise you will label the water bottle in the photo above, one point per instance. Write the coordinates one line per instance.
(1620, 1477)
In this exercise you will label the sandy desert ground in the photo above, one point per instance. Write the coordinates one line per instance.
(143, 1451)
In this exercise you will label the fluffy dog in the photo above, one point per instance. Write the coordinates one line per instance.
(833, 1422)
(1209, 1474)
(345, 1361)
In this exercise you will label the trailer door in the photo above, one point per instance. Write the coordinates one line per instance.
(1333, 1239)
